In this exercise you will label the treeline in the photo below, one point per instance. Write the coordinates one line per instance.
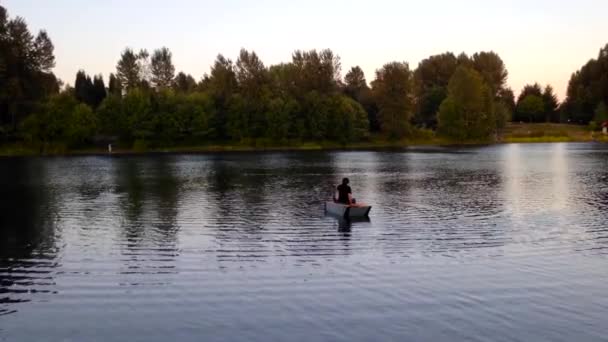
(587, 94)
(147, 103)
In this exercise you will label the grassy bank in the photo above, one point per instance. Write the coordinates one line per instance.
(514, 133)
(549, 132)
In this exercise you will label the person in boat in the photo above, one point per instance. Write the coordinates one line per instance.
(345, 194)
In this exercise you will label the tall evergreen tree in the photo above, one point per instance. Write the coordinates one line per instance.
(114, 86)
(550, 105)
(83, 88)
(99, 91)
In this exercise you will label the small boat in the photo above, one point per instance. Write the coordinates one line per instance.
(347, 211)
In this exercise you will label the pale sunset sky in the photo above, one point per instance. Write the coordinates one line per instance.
(539, 40)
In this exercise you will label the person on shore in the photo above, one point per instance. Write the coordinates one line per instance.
(345, 193)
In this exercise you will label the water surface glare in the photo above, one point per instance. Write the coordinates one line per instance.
(502, 243)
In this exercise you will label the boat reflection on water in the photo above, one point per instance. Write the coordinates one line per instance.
(345, 225)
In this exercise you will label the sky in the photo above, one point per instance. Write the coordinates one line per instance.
(539, 40)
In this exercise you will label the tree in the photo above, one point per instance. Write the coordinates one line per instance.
(316, 71)
(393, 94)
(601, 113)
(550, 105)
(162, 68)
(222, 84)
(531, 108)
(43, 49)
(98, 91)
(26, 79)
(145, 70)
(253, 84)
(468, 111)
(83, 88)
(492, 70)
(114, 86)
(587, 88)
(137, 106)
(61, 120)
(111, 119)
(507, 97)
(355, 83)
(528, 90)
(432, 77)
(184, 83)
(128, 70)
(356, 88)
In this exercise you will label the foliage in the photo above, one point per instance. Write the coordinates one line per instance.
(304, 100)
(393, 94)
(550, 104)
(25, 71)
(588, 87)
(128, 70)
(531, 109)
(61, 120)
(432, 77)
(89, 91)
(162, 68)
(601, 113)
(468, 111)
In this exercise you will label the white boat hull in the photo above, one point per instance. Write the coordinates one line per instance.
(343, 210)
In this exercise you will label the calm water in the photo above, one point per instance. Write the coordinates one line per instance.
(504, 243)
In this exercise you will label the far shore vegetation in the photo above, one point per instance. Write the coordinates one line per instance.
(303, 104)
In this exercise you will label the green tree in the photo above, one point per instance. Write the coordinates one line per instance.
(83, 88)
(601, 113)
(128, 70)
(114, 86)
(81, 125)
(279, 118)
(136, 105)
(184, 83)
(111, 118)
(492, 70)
(431, 78)
(507, 97)
(468, 111)
(528, 90)
(26, 78)
(532, 108)
(357, 89)
(550, 104)
(222, 85)
(587, 88)
(162, 68)
(355, 83)
(393, 94)
(253, 82)
(317, 71)
(61, 120)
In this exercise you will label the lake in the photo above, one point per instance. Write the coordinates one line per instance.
(502, 243)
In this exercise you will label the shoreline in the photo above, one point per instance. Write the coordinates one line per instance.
(22, 151)
(514, 133)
